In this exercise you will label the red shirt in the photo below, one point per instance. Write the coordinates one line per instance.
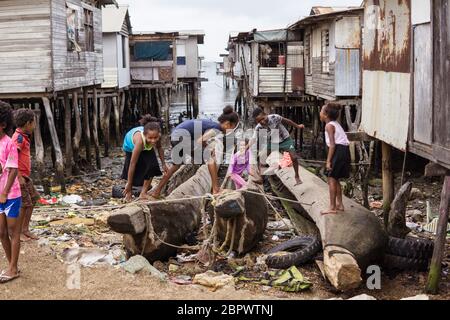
(22, 141)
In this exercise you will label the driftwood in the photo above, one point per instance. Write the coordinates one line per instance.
(396, 226)
(169, 222)
(352, 240)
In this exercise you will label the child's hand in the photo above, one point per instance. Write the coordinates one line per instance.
(3, 198)
(301, 126)
(165, 169)
(128, 192)
(329, 167)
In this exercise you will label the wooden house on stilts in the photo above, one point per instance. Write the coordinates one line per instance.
(51, 59)
(116, 69)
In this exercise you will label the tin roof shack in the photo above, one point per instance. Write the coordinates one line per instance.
(406, 99)
(187, 55)
(152, 57)
(116, 51)
(273, 75)
(332, 38)
(51, 48)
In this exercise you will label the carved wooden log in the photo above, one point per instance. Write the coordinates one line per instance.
(352, 239)
(170, 222)
(249, 225)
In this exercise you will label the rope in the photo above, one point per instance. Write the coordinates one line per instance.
(233, 235)
(278, 198)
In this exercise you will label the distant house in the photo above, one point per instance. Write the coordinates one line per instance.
(116, 57)
(188, 65)
(332, 52)
(406, 76)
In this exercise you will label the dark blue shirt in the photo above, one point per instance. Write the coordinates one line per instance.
(189, 126)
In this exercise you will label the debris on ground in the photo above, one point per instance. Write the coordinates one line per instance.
(139, 264)
(213, 280)
(88, 257)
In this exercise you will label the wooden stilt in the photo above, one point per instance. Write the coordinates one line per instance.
(316, 131)
(117, 107)
(86, 131)
(38, 143)
(68, 133)
(95, 129)
(77, 135)
(434, 276)
(107, 120)
(388, 180)
(59, 161)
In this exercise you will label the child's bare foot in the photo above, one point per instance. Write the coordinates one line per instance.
(216, 190)
(329, 211)
(298, 181)
(29, 235)
(340, 208)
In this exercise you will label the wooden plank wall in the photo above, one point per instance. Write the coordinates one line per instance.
(323, 83)
(25, 46)
(76, 69)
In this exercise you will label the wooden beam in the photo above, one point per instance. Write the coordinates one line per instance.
(388, 180)
(435, 170)
(86, 131)
(57, 147)
(359, 136)
(68, 133)
(95, 130)
(77, 135)
(434, 276)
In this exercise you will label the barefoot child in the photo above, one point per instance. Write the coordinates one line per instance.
(282, 140)
(10, 197)
(338, 160)
(141, 164)
(185, 140)
(25, 122)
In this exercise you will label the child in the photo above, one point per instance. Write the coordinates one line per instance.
(141, 164)
(185, 136)
(240, 165)
(338, 160)
(25, 122)
(281, 139)
(10, 197)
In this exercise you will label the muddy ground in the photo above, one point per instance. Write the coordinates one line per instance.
(44, 275)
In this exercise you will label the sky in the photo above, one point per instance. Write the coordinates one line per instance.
(219, 18)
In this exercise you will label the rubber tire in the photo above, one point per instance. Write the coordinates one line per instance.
(396, 263)
(301, 250)
(413, 248)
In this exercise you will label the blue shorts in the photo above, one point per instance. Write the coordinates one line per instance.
(11, 208)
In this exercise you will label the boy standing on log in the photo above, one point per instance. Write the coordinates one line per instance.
(10, 196)
(280, 137)
(338, 160)
(25, 122)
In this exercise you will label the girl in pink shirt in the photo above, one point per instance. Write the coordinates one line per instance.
(10, 196)
(338, 160)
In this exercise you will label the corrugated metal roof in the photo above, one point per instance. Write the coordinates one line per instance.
(317, 10)
(113, 18)
(327, 15)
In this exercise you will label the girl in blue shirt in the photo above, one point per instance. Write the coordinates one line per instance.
(141, 165)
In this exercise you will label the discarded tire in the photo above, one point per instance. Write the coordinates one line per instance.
(117, 192)
(413, 248)
(396, 263)
(294, 252)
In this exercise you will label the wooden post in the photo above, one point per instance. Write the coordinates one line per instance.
(95, 129)
(434, 276)
(77, 136)
(105, 118)
(39, 145)
(87, 131)
(117, 108)
(68, 133)
(388, 180)
(59, 161)
(316, 131)
(195, 103)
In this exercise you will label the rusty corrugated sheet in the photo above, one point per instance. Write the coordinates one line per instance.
(347, 73)
(387, 41)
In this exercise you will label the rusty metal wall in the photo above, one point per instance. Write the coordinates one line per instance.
(387, 70)
(387, 40)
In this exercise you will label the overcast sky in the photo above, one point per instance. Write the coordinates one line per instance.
(219, 18)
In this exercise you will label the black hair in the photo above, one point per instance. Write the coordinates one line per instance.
(6, 117)
(23, 116)
(229, 115)
(257, 112)
(150, 123)
(332, 110)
